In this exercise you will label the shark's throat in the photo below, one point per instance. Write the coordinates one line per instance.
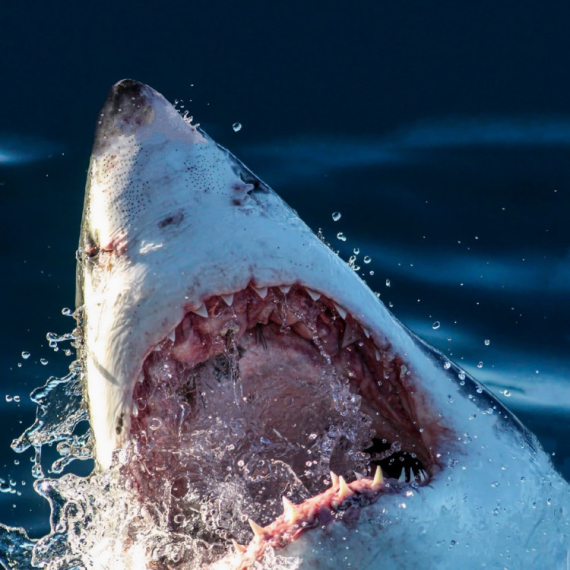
(272, 393)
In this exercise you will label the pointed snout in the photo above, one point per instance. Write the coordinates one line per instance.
(127, 108)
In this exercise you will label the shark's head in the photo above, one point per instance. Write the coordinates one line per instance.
(240, 360)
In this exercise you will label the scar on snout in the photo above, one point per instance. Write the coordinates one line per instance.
(173, 219)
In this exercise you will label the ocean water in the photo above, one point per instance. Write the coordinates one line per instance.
(442, 138)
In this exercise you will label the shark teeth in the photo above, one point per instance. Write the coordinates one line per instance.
(304, 515)
(261, 291)
(285, 289)
(289, 511)
(344, 491)
(240, 548)
(228, 299)
(402, 478)
(378, 478)
(340, 311)
(258, 531)
(201, 311)
(334, 479)
(171, 335)
(313, 294)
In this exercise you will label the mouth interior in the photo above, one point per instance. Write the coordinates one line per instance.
(261, 394)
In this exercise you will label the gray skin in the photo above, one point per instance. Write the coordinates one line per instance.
(494, 499)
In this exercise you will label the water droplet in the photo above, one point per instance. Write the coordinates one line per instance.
(487, 342)
(154, 424)
(336, 216)
(480, 365)
(236, 127)
(461, 375)
(8, 398)
(356, 250)
(447, 365)
(367, 259)
(372, 272)
(43, 361)
(436, 325)
(25, 355)
(507, 393)
(16, 399)
(388, 283)
(341, 236)
(67, 312)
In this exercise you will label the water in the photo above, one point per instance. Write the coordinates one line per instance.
(217, 479)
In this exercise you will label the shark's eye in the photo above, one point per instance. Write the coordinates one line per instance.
(91, 250)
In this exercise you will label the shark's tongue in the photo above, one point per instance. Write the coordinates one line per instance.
(239, 411)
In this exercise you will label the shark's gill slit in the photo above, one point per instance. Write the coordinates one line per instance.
(274, 394)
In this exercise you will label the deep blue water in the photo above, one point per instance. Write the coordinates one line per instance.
(443, 138)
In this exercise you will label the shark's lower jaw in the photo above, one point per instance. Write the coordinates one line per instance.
(262, 405)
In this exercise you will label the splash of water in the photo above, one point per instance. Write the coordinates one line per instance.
(103, 521)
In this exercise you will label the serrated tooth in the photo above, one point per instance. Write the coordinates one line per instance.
(344, 490)
(358, 475)
(377, 354)
(423, 476)
(261, 291)
(228, 299)
(334, 479)
(289, 511)
(285, 289)
(201, 311)
(172, 335)
(366, 332)
(239, 547)
(402, 478)
(258, 531)
(313, 294)
(340, 311)
(378, 477)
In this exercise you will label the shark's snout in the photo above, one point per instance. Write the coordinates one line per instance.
(127, 108)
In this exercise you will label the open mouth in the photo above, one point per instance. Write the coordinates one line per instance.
(273, 411)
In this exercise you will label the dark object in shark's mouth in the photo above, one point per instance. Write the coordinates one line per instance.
(272, 393)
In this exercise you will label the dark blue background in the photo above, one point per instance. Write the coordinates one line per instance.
(440, 130)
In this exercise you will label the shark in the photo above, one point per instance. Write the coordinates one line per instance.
(251, 389)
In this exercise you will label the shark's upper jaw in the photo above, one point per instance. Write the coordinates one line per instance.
(200, 287)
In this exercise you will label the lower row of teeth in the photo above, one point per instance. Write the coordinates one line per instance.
(296, 518)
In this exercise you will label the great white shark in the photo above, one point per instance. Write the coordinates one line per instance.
(252, 389)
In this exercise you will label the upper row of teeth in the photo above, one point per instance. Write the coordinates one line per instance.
(202, 311)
